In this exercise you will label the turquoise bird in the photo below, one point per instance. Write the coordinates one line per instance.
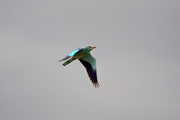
(89, 62)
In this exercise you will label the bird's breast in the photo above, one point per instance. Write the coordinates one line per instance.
(81, 54)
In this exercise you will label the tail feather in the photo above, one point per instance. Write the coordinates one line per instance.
(67, 62)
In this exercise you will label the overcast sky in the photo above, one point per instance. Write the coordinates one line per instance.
(137, 54)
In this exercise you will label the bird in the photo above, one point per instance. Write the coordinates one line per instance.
(88, 61)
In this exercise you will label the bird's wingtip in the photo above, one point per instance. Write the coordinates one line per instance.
(96, 85)
(59, 61)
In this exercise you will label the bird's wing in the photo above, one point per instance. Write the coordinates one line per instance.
(71, 54)
(89, 63)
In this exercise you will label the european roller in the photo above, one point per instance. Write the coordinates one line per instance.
(89, 62)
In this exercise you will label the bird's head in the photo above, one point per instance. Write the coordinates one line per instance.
(91, 47)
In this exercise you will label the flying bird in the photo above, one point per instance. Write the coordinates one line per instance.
(89, 62)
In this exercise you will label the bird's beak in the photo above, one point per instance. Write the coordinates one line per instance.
(94, 47)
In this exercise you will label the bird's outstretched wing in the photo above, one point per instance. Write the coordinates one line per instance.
(71, 54)
(89, 63)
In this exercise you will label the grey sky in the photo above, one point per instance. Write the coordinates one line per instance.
(138, 59)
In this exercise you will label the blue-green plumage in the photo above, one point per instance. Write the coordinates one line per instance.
(89, 62)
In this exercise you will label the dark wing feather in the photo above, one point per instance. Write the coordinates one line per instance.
(67, 57)
(91, 72)
(71, 54)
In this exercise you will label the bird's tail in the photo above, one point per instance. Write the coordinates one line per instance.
(69, 61)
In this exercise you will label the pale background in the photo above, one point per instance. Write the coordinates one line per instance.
(138, 59)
